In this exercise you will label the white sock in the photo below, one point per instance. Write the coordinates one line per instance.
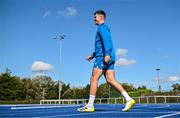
(91, 100)
(126, 96)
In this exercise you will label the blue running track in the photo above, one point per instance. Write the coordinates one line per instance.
(101, 111)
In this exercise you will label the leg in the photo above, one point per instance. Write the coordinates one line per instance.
(110, 78)
(96, 74)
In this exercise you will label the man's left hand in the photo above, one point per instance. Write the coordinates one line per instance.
(107, 58)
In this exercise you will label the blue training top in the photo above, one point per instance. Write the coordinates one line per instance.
(103, 43)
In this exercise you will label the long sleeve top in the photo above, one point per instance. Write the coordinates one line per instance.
(103, 43)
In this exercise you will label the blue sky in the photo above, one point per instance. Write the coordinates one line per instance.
(145, 35)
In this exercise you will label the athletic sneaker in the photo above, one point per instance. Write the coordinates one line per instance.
(86, 109)
(129, 105)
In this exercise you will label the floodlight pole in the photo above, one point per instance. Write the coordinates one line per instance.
(159, 87)
(60, 38)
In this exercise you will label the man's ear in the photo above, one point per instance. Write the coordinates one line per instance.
(102, 17)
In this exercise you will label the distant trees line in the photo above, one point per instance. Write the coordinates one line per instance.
(29, 89)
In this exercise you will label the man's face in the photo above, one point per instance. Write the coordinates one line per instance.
(98, 18)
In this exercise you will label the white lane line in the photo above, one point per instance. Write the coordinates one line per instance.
(163, 106)
(84, 113)
(163, 116)
(37, 107)
(14, 105)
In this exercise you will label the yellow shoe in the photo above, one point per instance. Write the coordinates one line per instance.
(86, 109)
(129, 105)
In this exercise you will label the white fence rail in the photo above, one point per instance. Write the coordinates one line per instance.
(120, 100)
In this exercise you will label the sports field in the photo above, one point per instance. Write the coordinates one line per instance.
(102, 111)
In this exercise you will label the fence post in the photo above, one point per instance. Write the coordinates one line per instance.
(164, 99)
(155, 99)
(147, 100)
(177, 99)
(139, 100)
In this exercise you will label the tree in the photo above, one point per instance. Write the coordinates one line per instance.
(143, 87)
(68, 94)
(77, 93)
(86, 90)
(27, 89)
(103, 91)
(40, 84)
(128, 87)
(64, 89)
(11, 87)
(176, 87)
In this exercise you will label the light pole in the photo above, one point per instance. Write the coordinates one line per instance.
(60, 38)
(159, 87)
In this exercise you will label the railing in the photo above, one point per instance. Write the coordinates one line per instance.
(120, 100)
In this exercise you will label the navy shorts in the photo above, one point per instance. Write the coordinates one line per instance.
(101, 64)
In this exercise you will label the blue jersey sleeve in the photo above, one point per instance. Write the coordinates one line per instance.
(106, 39)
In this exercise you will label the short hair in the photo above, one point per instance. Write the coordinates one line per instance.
(100, 12)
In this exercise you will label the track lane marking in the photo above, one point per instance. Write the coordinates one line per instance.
(38, 107)
(163, 116)
(84, 113)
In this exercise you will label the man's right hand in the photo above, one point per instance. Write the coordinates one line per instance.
(89, 58)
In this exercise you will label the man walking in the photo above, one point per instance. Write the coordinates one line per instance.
(104, 64)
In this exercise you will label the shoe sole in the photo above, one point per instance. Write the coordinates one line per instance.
(85, 111)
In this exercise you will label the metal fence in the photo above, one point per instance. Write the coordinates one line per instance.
(120, 100)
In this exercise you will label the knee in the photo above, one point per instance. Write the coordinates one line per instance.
(110, 81)
(93, 78)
